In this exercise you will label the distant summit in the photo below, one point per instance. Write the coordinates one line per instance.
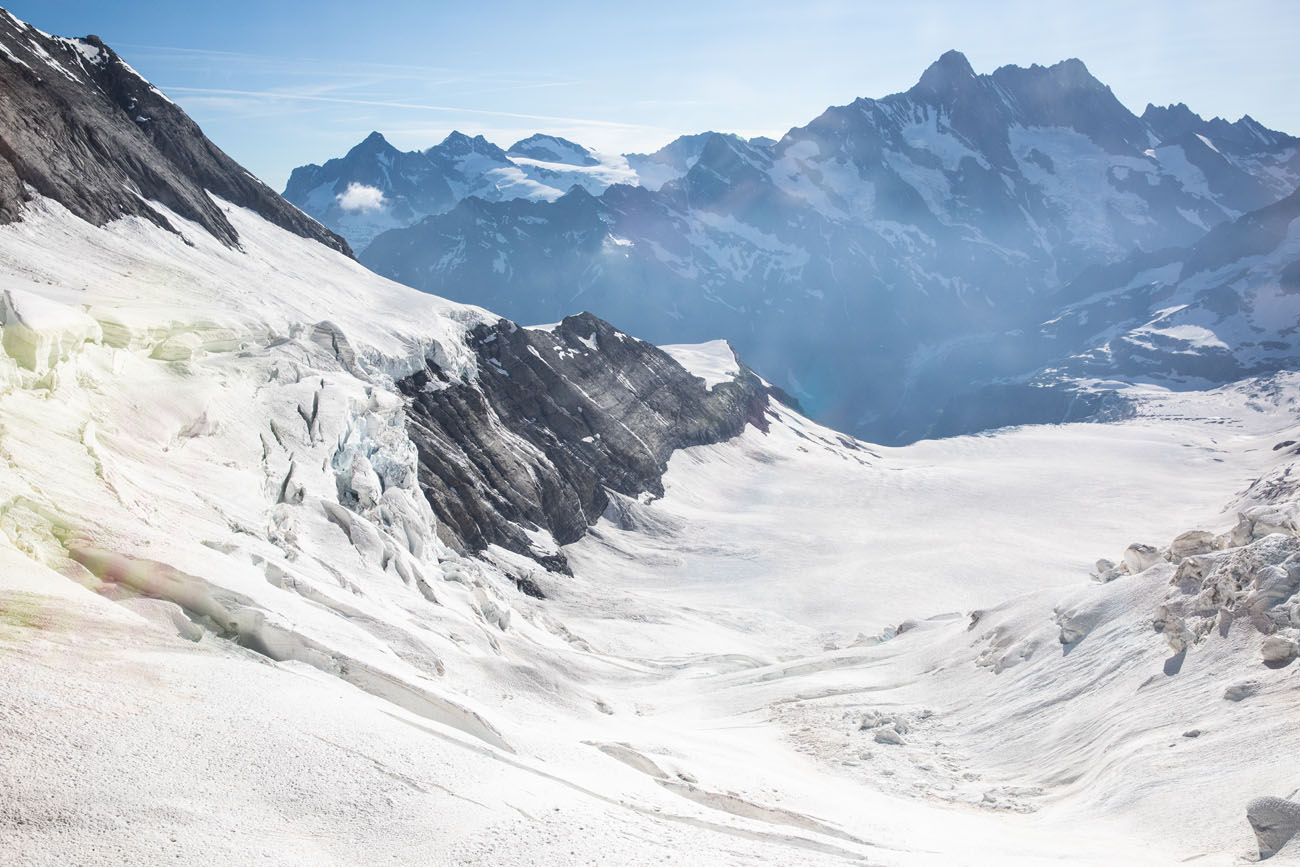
(407, 186)
(553, 149)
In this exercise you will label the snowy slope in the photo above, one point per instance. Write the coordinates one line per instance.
(234, 626)
(440, 715)
(714, 362)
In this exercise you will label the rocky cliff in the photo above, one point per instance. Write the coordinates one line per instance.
(78, 125)
(556, 418)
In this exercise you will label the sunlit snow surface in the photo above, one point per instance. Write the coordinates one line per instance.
(714, 362)
(694, 694)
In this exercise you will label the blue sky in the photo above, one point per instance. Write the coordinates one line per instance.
(278, 83)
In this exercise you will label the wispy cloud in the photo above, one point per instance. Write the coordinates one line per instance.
(345, 72)
(294, 96)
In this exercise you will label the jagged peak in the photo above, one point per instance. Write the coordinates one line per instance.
(721, 140)
(1177, 121)
(1177, 109)
(1068, 74)
(950, 71)
(458, 142)
(1073, 71)
(456, 137)
(719, 147)
(372, 145)
(577, 193)
(689, 142)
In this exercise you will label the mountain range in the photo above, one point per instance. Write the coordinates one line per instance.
(891, 264)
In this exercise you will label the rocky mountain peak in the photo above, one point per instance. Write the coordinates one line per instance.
(371, 145)
(1067, 95)
(946, 77)
(458, 144)
(1171, 122)
(111, 143)
(725, 163)
(1073, 73)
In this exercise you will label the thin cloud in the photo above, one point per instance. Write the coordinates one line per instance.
(412, 106)
(379, 72)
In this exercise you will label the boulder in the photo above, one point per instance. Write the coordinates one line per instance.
(1139, 557)
(1190, 543)
(888, 736)
(1278, 650)
(1275, 822)
(1242, 690)
(1106, 571)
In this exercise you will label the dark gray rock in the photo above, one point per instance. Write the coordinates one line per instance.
(555, 420)
(1275, 822)
(1243, 690)
(80, 126)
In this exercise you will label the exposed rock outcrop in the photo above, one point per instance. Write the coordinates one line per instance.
(556, 419)
(80, 126)
(1248, 575)
(1275, 821)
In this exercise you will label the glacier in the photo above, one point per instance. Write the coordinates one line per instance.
(239, 622)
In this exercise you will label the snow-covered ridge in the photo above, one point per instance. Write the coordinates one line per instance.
(404, 187)
(144, 287)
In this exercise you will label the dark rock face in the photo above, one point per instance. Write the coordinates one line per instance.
(80, 126)
(1275, 822)
(555, 419)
